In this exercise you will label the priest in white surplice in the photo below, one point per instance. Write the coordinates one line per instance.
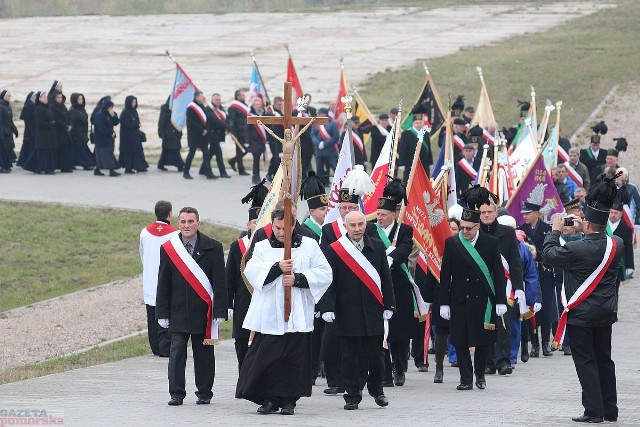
(276, 371)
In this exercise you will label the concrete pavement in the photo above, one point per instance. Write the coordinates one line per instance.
(542, 392)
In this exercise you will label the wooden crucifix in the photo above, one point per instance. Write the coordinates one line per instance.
(290, 138)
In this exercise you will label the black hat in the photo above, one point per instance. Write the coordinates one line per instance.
(2, 94)
(528, 207)
(612, 152)
(256, 196)
(383, 116)
(470, 109)
(392, 195)
(394, 110)
(475, 134)
(469, 146)
(572, 204)
(355, 119)
(599, 129)
(457, 106)
(459, 121)
(600, 199)
(524, 107)
(621, 144)
(471, 199)
(312, 190)
(347, 197)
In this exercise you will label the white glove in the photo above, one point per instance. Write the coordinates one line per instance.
(536, 307)
(219, 320)
(445, 312)
(390, 261)
(387, 314)
(329, 316)
(390, 249)
(164, 323)
(230, 313)
(316, 314)
(501, 309)
(321, 145)
(520, 295)
(629, 272)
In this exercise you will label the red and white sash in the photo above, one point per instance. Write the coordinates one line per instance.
(383, 130)
(458, 141)
(199, 112)
(268, 230)
(360, 266)
(160, 228)
(563, 154)
(573, 174)
(323, 133)
(491, 140)
(584, 290)
(511, 294)
(243, 244)
(219, 112)
(243, 108)
(196, 278)
(468, 169)
(357, 141)
(338, 228)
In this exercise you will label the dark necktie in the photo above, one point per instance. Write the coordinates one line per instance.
(189, 248)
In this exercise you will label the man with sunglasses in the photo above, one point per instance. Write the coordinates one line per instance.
(472, 298)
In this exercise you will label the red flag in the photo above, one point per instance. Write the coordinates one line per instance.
(425, 213)
(342, 91)
(292, 77)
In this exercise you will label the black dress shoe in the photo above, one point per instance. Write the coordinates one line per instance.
(232, 163)
(212, 176)
(381, 400)
(505, 369)
(611, 419)
(350, 406)
(129, 171)
(333, 391)
(268, 408)
(113, 173)
(489, 371)
(399, 379)
(439, 376)
(186, 175)
(423, 368)
(97, 172)
(225, 175)
(588, 419)
(243, 173)
(567, 350)
(203, 401)
(387, 383)
(546, 349)
(175, 401)
(162, 168)
(535, 351)
(465, 387)
(288, 408)
(481, 383)
(524, 352)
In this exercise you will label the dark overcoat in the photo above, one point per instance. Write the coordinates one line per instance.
(464, 289)
(177, 301)
(237, 292)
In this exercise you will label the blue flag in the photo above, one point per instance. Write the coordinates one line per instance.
(181, 96)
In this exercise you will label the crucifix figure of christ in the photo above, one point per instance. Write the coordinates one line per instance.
(291, 137)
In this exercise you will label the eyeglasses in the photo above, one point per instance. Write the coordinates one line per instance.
(468, 228)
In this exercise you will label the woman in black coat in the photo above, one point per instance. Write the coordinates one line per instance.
(104, 137)
(45, 157)
(82, 155)
(170, 136)
(27, 115)
(131, 151)
(255, 140)
(63, 130)
(7, 126)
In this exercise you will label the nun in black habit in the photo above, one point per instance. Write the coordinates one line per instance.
(82, 155)
(27, 115)
(131, 151)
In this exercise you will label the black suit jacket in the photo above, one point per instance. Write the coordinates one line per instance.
(358, 312)
(195, 129)
(464, 288)
(591, 163)
(626, 234)
(238, 295)
(328, 235)
(177, 301)
(508, 249)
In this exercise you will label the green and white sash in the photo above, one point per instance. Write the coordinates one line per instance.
(485, 271)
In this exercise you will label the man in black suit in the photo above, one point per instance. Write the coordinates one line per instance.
(197, 135)
(191, 276)
(617, 226)
(217, 121)
(359, 303)
(378, 137)
(593, 156)
(407, 148)
(499, 354)
(473, 298)
(590, 274)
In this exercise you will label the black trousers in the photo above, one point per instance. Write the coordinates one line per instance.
(240, 153)
(591, 352)
(467, 368)
(360, 354)
(206, 160)
(417, 345)
(214, 151)
(275, 157)
(204, 365)
(316, 343)
(159, 337)
(500, 351)
(242, 345)
(256, 166)
(396, 358)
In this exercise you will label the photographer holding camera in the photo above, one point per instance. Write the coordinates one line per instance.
(590, 299)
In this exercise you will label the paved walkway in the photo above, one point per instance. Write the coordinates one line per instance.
(542, 392)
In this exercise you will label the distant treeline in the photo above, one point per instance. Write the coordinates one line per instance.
(27, 8)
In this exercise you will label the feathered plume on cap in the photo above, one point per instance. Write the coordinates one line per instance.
(600, 199)
(394, 193)
(472, 198)
(256, 196)
(458, 105)
(599, 129)
(358, 181)
(621, 144)
(525, 106)
(312, 190)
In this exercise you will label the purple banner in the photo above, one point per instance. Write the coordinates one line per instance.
(536, 188)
